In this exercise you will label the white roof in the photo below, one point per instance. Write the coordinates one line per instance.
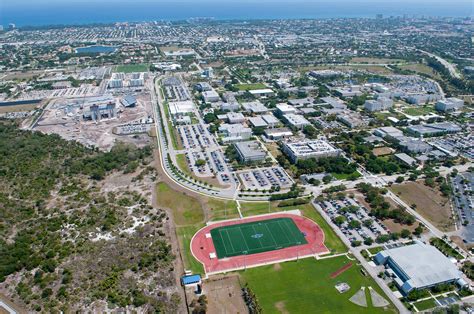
(261, 91)
(270, 119)
(296, 119)
(257, 122)
(423, 264)
(181, 107)
(286, 108)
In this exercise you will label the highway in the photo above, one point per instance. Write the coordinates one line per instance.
(451, 68)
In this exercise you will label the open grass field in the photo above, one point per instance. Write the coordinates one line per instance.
(185, 234)
(173, 132)
(131, 68)
(220, 209)
(375, 60)
(250, 86)
(426, 304)
(306, 286)
(18, 108)
(419, 111)
(186, 210)
(331, 240)
(429, 203)
(377, 69)
(345, 176)
(256, 237)
(183, 164)
(420, 68)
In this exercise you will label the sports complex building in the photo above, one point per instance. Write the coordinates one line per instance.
(418, 266)
(254, 241)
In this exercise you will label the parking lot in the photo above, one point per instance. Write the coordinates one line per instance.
(178, 93)
(195, 136)
(358, 225)
(265, 178)
(463, 186)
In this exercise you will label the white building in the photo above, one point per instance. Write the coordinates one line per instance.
(254, 107)
(449, 104)
(285, 109)
(418, 266)
(181, 107)
(379, 104)
(296, 120)
(266, 92)
(258, 122)
(210, 96)
(270, 120)
(309, 149)
(235, 117)
(235, 132)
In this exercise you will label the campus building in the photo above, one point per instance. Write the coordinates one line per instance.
(434, 129)
(309, 149)
(381, 103)
(449, 104)
(235, 132)
(418, 266)
(250, 151)
(296, 120)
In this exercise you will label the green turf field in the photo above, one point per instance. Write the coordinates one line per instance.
(306, 286)
(256, 237)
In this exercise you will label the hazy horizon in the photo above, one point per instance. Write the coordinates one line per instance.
(50, 12)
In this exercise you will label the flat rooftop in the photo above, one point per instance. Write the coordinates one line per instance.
(313, 147)
(250, 149)
(423, 265)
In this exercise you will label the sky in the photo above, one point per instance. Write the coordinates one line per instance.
(47, 12)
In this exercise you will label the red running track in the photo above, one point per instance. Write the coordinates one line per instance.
(201, 246)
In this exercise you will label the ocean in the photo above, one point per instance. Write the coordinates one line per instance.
(41, 12)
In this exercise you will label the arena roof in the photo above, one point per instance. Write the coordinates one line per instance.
(423, 265)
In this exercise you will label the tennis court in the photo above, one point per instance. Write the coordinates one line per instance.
(256, 237)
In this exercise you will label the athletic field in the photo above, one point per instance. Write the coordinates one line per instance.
(256, 237)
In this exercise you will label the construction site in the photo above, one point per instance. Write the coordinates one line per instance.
(99, 120)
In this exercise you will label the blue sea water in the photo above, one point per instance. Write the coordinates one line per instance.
(41, 12)
(96, 49)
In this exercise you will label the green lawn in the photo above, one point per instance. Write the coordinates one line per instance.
(130, 68)
(344, 176)
(419, 111)
(171, 129)
(305, 286)
(185, 234)
(221, 210)
(375, 250)
(183, 164)
(186, 210)
(250, 86)
(331, 240)
(426, 304)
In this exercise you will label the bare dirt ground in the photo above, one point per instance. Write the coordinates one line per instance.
(18, 108)
(72, 126)
(382, 151)
(224, 295)
(430, 203)
(389, 223)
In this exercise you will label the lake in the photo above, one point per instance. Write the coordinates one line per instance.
(96, 49)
